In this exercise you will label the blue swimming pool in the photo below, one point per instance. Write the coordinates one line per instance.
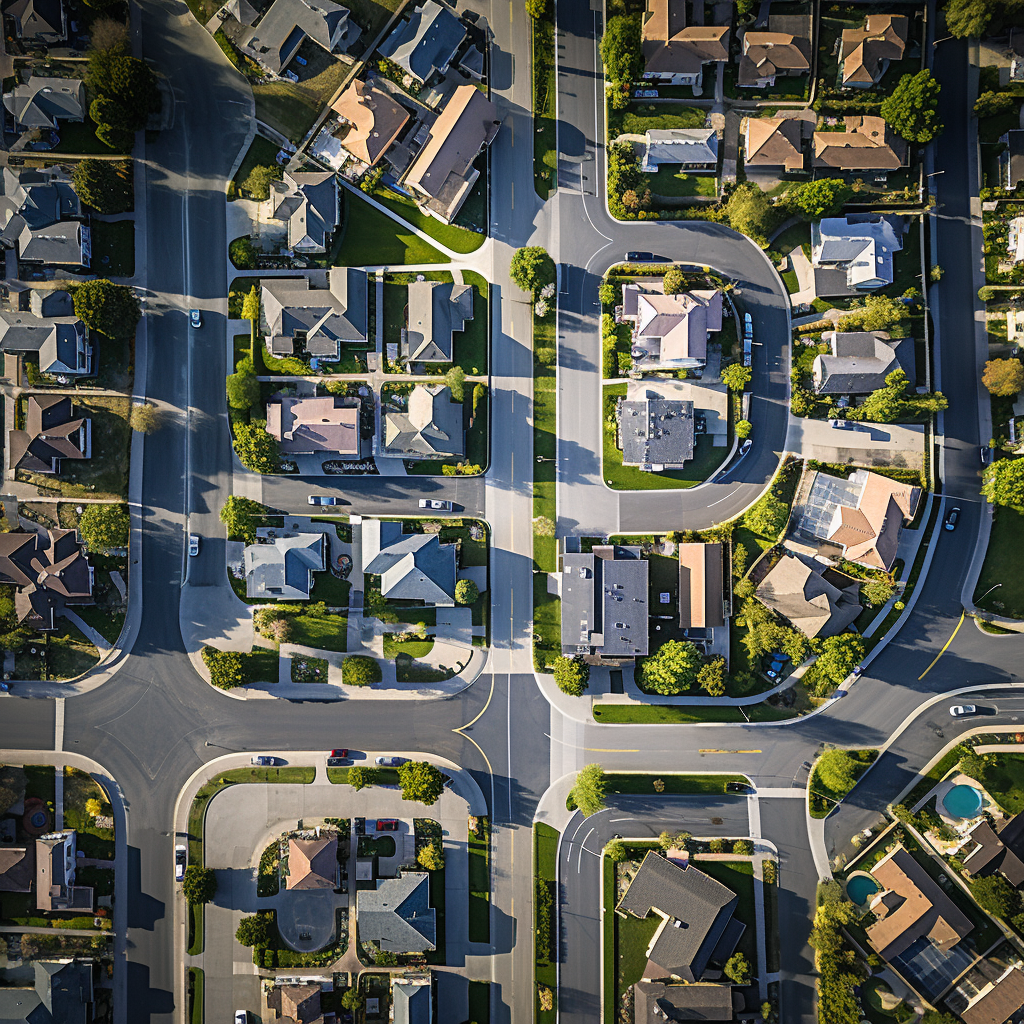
(962, 801)
(860, 888)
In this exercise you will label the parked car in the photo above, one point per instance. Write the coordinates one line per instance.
(339, 752)
(360, 826)
(635, 256)
(323, 499)
(390, 762)
(193, 545)
(301, 61)
(387, 824)
(291, 76)
(643, 94)
(963, 710)
(838, 424)
(241, 1017)
(263, 760)
(985, 454)
(951, 519)
(337, 762)
(195, 318)
(180, 860)
(436, 503)
(737, 787)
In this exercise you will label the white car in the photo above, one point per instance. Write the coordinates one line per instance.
(962, 710)
(195, 318)
(241, 1017)
(180, 860)
(193, 545)
(436, 504)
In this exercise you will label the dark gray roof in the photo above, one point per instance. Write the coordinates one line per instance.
(51, 303)
(436, 311)
(411, 566)
(37, 198)
(327, 317)
(701, 905)
(62, 995)
(284, 568)
(860, 361)
(427, 41)
(656, 431)
(397, 914)
(1013, 157)
(67, 243)
(656, 1003)
(411, 1003)
(280, 32)
(40, 21)
(41, 102)
(308, 202)
(62, 343)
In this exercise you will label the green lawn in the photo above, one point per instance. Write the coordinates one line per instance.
(368, 237)
(547, 624)
(291, 108)
(1003, 780)
(80, 137)
(196, 990)
(675, 183)
(413, 648)
(471, 346)
(545, 852)
(545, 410)
(262, 153)
(673, 783)
(641, 117)
(479, 884)
(664, 713)
(1004, 566)
(795, 236)
(372, 16)
(450, 235)
(545, 151)
(480, 1002)
(738, 875)
(632, 937)
(321, 632)
(113, 247)
(79, 788)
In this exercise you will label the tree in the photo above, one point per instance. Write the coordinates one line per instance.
(251, 306)
(737, 969)
(995, 895)
(359, 670)
(536, 9)
(736, 376)
(199, 884)
(106, 185)
(716, 845)
(543, 526)
(351, 999)
(989, 104)
(674, 281)
(227, 669)
(910, 109)
(531, 268)
(113, 138)
(431, 856)
(256, 449)
(421, 781)
(360, 778)
(455, 379)
(108, 40)
(1003, 483)
(243, 388)
(1004, 377)
(466, 592)
(837, 771)
(877, 591)
(145, 417)
(711, 678)
(822, 198)
(259, 180)
(743, 428)
(750, 212)
(621, 50)
(104, 527)
(672, 668)
(244, 254)
(979, 17)
(545, 356)
(616, 851)
(768, 517)
(879, 313)
(253, 930)
(769, 872)
(971, 762)
(743, 848)
(109, 308)
(572, 675)
(241, 516)
(608, 294)
(838, 656)
(588, 792)
(94, 807)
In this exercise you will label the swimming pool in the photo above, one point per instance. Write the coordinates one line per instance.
(963, 801)
(860, 888)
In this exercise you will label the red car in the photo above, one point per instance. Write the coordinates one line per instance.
(387, 825)
(340, 752)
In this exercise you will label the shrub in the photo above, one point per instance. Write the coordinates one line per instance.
(420, 781)
(240, 515)
(226, 668)
(588, 792)
(199, 884)
(260, 178)
(743, 848)
(253, 930)
(572, 675)
(431, 856)
(104, 526)
(466, 592)
(359, 670)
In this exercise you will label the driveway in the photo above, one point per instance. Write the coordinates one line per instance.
(867, 444)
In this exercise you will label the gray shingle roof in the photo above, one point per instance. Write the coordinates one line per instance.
(655, 1003)
(42, 102)
(426, 42)
(67, 243)
(411, 566)
(656, 431)
(62, 994)
(433, 426)
(681, 146)
(284, 568)
(860, 361)
(411, 1003)
(280, 32)
(397, 914)
(40, 21)
(327, 317)
(308, 202)
(436, 311)
(37, 198)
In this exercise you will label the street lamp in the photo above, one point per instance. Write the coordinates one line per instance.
(542, 458)
(936, 42)
(934, 173)
(987, 592)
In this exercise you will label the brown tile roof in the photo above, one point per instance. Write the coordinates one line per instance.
(48, 572)
(312, 863)
(670, 48)
(998, 1001)
(870, 532)
(700, 586)
(774, 142)
(766, 54)
(49, 435)
(863, 50)
(306, 425)
(375, 119)
(868, 144)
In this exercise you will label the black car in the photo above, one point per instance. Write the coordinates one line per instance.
(337, 762)
(737, 787)
(645, 257)
(951, 519)
(360, 826)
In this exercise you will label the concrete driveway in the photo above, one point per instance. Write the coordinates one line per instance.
(867, 444)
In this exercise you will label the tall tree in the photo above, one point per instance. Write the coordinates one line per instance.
(1004, 483)
(109, 308)
(750, 212)
(256, 449)
(531, 268)
(672, 668)
(420, 780)
(911, 110)
(588, 792)
(621, 50)
(242, 516)
(572, 675)
(106, 185)
(104, 527)
(1003, 377)
(822, 198)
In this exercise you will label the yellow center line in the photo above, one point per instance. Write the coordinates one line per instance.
(609, 750)
(477, 717)
(711, 750)
(943, 651)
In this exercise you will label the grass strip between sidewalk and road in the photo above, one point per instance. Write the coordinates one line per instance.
(545, 853)
(196, 995)
(629, 782)
(480, 883)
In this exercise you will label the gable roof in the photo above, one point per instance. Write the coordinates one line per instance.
(864, 52)
(326, 316)
(284, 567)
(308, 202)
(411, 566)
(1012, 158)
(61, 994)
(55, 870)
(681, 146)
(436, 311)
(426, 42)
(49, 571)
(279, 33)
(861, 244)
(312, 863)
(860, 361)
(655, 1003)
(867, 144)
(992, 855)
(306, 425)
(36, 198)
(669, 47)
(17, 868)
(41, 102)
(765, 54)
(67, 243)
(998, 1001)
(774, 142)
(812, 604)
(375, 119)
(52, 433)
(701, 586)
(677, 325)
(410, 1001)
(397, 914)
(870, 531)
(431, 427)
(41, 21)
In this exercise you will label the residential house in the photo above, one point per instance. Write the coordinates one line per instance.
(411, 999)
(605, 604)
(307, 201)
(432, 426)
(675, 54)
(815, 602)
(860, 361)
(442, 174)
(315, 322)
(999, 1000)
(63, 343)
(425, 44)
(784, 50)
(657, 1003)
(52, 433)
(65, 244)
(655, 433)
(281, 567)
(287, 24)
(853, 254)
(911, 906)
(701, 587)
(38, 22)
(62, 993)
(56, 861)
(865, 53)
(327, 425)
(437, 310)
(987, 852)
(670, 332)
(866, 144)
(774, 142)
(17, 869)
(698, 927)
(373, 119)
(37, 198)
(49, 573)
(692, 149)
(296, 1004)
(43, 102)
(312, 863)
(1011, 159)
(397, 915)
(411, 566)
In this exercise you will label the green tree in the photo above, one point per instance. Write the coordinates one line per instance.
(674, 281)
(616, 851)
(672, 668)
(736, 376)
(431, 856)
(359, 670)
(971, 762)
(360, 778)
(621, 50)
(108, 40)
(536, 9)
(145, 417)
(243, 388)
(260, 178)
(768, 517)
(253, 930)
(572, 675)
(109, 308)
(608, 294)
(106, 185)
(743, 428)
(980, 17)
(822, 198)
(877, 591)
(838, 656)
(117, 139)
(995, 895)
(352, 1000)
(420, 781)
(711, 678)
(244, 254)
(1003, 483)
(455, 378)
(879, 313)
(911, 108)
(251, 306)
(837, 771)
(934, 1017)
(743, 848)
(104, 527)
(750, 212)
(256, 449)
(588, 792)
(466, 592)
(241, 516)
(531, 268)
(737, 969)
(199, 884)
(227, 668)
(545, 356)
(1004, 377)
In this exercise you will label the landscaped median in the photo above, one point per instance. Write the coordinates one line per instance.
(545, 855)
(545, 148)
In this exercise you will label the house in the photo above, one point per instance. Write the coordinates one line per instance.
(655, 433)
(442, 174)
(1011, 159)
(17, 869)
(313, 864)
(670, 332)
(987, 853)
(315, 321)
(38, 22)
(782, 51)
(437, 310)
(604, 604)
(674, 54)
(426, 44)
(63, 342)
(397, 914)
(774, 142)
(62, 993)
(697, 923)
(865, 53)
(49, 573)
(411, 999)
(307, 201)
(36, 198)
(817, 606)
(43, 102)
(296, 1004)
(853, 254)
(860, 361)
(657, 1003)
(866, 144)
(275, 41)
(373, 118)
(693, 149)
(52, 433)
(411, 566)
(314, 426)
(999, 1000)
(701, 586)
(55, 874)
(282, 567)
(911, 906)
(432, 427)
(65, 244)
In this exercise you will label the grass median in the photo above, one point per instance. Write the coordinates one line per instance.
(545, 853)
